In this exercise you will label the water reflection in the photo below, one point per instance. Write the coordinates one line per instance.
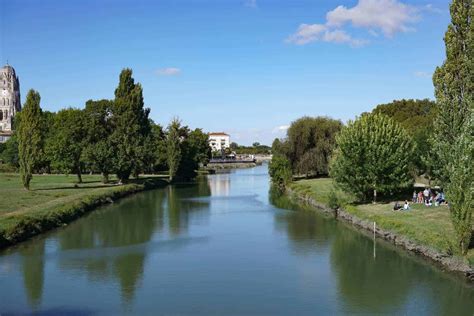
(122, 237)
(202, 247)
(33, 272)
(307, 231)
(386, 283)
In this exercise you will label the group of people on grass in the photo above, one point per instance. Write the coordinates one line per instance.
(427, 196)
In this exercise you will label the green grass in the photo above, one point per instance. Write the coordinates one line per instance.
(429, 226)
(54, 200)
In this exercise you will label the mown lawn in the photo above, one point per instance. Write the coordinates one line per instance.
(52, 193)
(430, 226)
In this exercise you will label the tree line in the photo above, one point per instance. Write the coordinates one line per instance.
(107, 137)
(381, 152)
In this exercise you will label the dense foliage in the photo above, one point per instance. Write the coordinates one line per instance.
(68, 141)
(280, 171)
(131, 127)
(98, 152)
(417, 118)
(30, 138)
(107, 137)
(255, 149)
(454, 141)
(374, 154)
(309, 145)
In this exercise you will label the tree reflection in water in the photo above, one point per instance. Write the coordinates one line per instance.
(113, 242)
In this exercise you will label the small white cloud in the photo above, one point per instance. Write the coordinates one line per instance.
(250, 3)
(170, 71)
(385, 16)
(308, 33)
(422, 74)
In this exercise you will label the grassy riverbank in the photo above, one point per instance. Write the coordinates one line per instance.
(427, 226)
(55, 200)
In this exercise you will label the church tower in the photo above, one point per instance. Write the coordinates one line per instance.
(9, 100)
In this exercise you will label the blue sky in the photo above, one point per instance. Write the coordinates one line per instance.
(245, 67)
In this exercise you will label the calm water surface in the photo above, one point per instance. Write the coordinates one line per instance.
(221, 246)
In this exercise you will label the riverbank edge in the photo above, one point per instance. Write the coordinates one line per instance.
(447, 262)
(29, 225)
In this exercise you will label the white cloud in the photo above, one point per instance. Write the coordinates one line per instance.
(422, 74)
(386, 16)
(250, 3)
(390, 16)
(308, 33)
(170, 71)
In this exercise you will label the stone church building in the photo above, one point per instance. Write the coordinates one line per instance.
(9, 101)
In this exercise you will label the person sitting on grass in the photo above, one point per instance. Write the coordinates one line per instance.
(397, 206)
(406, 206)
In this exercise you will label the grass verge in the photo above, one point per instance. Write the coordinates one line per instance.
(427, 226)
(55, 200)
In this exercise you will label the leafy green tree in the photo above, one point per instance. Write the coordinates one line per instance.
(159, 148)
(195, 150)
(311, 142)
(453, 144)
(417, 118)
(30, 136)
(99, 153)
(280, 171)
(200, 142)
(173, 146)
(47, 124)
(9, 154)
(460, 188)
(131, 127)
(374, 154)
(66, 145)
(454, 84)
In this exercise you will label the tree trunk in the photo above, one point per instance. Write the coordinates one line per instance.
(79, 175)
(105, 177)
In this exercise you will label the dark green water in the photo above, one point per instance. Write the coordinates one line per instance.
(219, 247)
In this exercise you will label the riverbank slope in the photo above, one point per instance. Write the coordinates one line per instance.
(56, 200)
(421, 230)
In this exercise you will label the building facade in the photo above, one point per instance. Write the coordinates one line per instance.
(219, 141)
(10, 102)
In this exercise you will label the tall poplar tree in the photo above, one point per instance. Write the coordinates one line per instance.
(454, 84)
(30, 136)
(131, 127)
(453, 144)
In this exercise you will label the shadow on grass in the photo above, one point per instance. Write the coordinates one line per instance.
(78, 187)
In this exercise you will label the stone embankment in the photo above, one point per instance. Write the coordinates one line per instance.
(446, 261)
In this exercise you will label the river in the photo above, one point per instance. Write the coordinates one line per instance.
(221, 246)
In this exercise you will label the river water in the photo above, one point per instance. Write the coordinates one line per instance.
(220, 246)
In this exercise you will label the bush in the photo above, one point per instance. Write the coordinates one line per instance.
(280, 171)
